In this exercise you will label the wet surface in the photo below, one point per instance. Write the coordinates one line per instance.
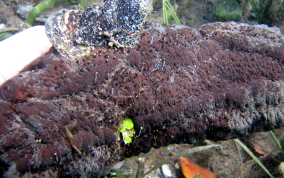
(228, 161)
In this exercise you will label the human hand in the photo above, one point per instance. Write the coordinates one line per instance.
(20, 49)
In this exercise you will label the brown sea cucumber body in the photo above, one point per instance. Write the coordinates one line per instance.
(60, 116)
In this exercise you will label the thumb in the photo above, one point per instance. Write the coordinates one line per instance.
(20, 49)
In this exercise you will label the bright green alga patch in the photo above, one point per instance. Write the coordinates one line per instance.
(127, 130)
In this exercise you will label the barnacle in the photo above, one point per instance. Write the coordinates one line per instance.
(116, 23)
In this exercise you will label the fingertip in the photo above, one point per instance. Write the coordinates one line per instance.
(40, 41)
(20, 49)
(2, 79)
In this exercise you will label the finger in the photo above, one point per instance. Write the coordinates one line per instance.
(20, 49)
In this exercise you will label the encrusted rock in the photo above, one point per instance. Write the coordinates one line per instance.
(60, 117)
(75, 33)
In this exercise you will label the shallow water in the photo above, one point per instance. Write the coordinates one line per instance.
(228, 161)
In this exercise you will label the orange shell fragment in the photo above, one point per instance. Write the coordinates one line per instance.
(190, 169)
(259, 149)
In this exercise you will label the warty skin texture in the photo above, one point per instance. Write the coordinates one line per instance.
(178, 85)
